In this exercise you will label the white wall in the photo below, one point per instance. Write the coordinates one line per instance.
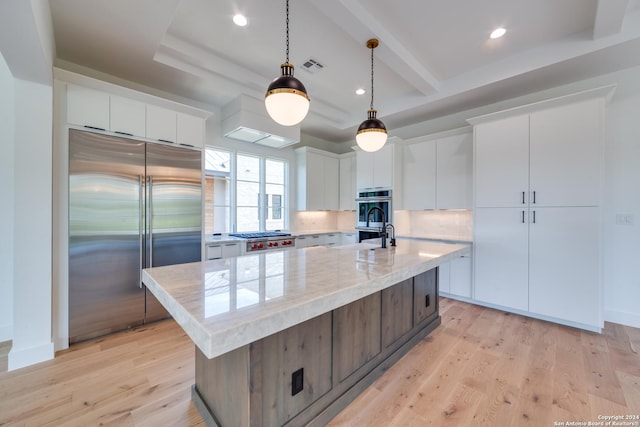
(622, 196)
(32, 225)
(6, 206)
(26, 43)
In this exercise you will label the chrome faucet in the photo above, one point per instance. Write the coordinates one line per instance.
(383, 228)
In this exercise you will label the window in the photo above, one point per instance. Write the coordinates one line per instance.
(274, 190)
(217, 200)
(244, 192)
(248, 190)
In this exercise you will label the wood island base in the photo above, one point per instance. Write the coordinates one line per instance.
(308, 373)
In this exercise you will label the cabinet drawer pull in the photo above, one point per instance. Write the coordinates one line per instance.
(523, 197)
(123, 133)
(534, 217)
(523, 217)
(534, 197)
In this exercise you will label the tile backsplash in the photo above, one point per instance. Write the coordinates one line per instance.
(323, 220)
(447, 225)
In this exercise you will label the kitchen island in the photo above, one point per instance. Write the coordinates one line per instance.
(293, 336)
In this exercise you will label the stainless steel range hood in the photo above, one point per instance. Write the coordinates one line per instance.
(245, 119)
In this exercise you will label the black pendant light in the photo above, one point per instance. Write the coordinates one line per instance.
(372, 134)
(286, 99)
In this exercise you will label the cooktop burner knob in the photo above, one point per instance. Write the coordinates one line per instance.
(260, 245)
(275, 244)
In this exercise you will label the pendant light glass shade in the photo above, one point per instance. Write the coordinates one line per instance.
(372, 133)
(286, 99)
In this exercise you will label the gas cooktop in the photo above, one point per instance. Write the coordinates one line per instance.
(260, 235)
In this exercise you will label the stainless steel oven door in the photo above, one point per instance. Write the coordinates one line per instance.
(375, 219)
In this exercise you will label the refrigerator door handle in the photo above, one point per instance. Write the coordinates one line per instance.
(150, 222)
(140, 221)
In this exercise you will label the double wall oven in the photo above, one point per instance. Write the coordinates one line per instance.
(369, 198)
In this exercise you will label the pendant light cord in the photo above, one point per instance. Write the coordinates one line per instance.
(371, 108)
(287, 31)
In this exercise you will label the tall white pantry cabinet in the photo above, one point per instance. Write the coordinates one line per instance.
(538, 178)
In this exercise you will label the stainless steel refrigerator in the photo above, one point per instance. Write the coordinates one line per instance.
(132, 205)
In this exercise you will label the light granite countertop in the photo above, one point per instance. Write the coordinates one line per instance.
(227, 303)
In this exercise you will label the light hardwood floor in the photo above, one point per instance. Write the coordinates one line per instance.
(481, 367)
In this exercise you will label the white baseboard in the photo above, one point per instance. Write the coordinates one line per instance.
(19, 358)
(6, 332)
(586, 327)
(622, 317)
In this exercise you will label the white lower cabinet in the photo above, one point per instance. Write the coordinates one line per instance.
(501, 257)
(545, 261)
(310, 240)
(454, 277)
(223, 250)
(348, 238)
(444, 277)
(460, 276)
(332, 239)
(564, 264)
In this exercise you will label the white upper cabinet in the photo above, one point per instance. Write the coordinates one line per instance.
(127, 116)
(170, 126)
(348, 182)
(420, 176)
(502, 162)
(318, 180)
(87, 107)
(438, 173)
(332, 183)
(565, 155)
(375, 170)
(547, 158)
(454, 172)
(161, 124)
(190, 130)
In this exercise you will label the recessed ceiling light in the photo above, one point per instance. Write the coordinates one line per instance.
(240, 20)
(497, 33)
(360, 91)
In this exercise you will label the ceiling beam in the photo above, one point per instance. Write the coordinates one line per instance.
(346, 13)
(609, 17)
(180, 54)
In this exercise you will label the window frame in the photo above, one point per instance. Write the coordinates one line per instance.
(263, 205)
